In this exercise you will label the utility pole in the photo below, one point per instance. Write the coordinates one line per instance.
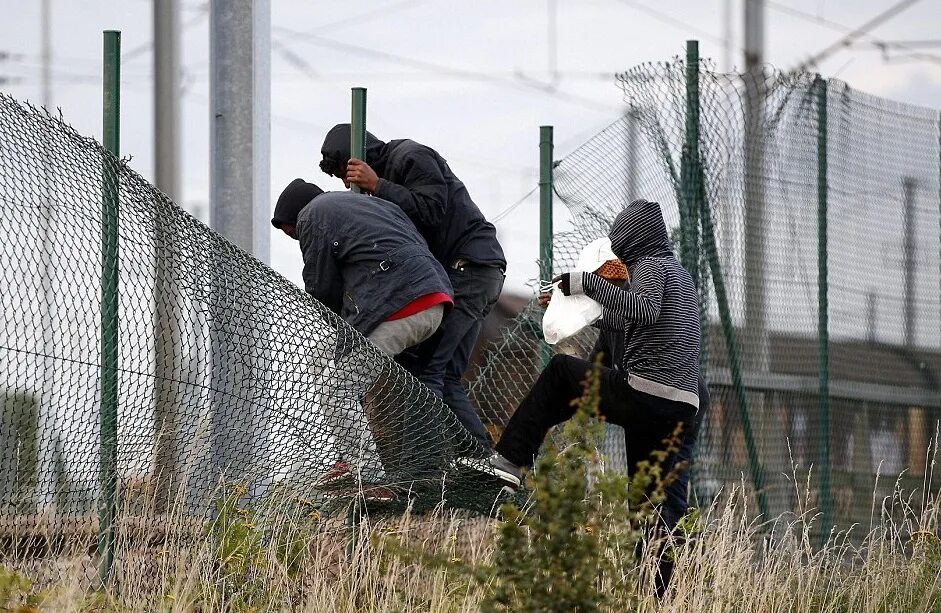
(630, 143)
(168, 334)
(727, 35)
(46, 55)
(908, 244)
(239, 209)
(50, 453)
(240, 122)
(771, 451)
(756, 333)
(167, 97)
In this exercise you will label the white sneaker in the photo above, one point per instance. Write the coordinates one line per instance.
(495, 466)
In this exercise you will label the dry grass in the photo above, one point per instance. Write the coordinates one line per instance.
(291, 559)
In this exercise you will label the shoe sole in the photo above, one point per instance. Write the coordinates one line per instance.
(335, 481)
(507, 477)
(343, 494)
(482, 467)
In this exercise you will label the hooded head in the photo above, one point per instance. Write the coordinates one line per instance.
(295, 197)
(639, 231)
(336, 149)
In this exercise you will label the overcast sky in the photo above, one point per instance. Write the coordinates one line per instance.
(471, 79)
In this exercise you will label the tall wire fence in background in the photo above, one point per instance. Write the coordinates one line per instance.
(809, 214)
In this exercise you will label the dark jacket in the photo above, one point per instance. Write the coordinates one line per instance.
(364, 259)
(418, 179)
(658, 314)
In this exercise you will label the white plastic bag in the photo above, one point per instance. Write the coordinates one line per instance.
(567, 315)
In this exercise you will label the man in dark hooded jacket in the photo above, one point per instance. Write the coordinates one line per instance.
(364, 260)
(655, 386)
(419, 181)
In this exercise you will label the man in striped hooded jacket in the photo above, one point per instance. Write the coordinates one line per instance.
(656, 384)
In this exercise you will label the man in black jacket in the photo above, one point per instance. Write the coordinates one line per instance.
(419, 181)
(364, 260)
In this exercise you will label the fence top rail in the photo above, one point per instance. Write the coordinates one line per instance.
(849, 390)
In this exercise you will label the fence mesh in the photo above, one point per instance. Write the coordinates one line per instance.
(758, 232)
(229, 373)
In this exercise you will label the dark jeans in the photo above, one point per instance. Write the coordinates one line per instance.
(676, 503)
(648, 418)
(476, 290)
(677, 493)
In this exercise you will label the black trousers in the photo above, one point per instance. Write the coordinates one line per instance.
(476, 290)
(649, 419)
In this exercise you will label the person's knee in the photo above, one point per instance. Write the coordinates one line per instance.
(558, 362)
(567, 371)
(452, 383)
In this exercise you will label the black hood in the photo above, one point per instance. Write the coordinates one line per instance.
(336, 145)
(639, 231)
(295, 197)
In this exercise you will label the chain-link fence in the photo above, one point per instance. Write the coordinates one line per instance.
(226, 372)
(808, 213)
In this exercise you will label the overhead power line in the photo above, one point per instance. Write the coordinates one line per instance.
(852, 35)
(502, 214)
(518, 81)
(912, 46)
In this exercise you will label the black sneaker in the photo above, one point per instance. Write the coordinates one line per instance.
(497, 466)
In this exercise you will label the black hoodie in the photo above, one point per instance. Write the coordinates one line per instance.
(658, 314)
(420, 182)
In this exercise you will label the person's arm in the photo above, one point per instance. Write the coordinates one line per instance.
(609, 322)
(322, 278)
(420, 190)
(639, 304)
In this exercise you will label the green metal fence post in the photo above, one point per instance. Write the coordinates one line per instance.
(358, 151)
(545, 202)
(545, 217)
(728, 331)
(694, 192)
(696, 214)
(822, 311)
(111, 121)
(689, 223)
(358, 127)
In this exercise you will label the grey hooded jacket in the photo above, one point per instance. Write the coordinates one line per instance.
(364, 259)
(658, 314)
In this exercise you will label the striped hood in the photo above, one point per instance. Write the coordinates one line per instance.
(639, 231)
